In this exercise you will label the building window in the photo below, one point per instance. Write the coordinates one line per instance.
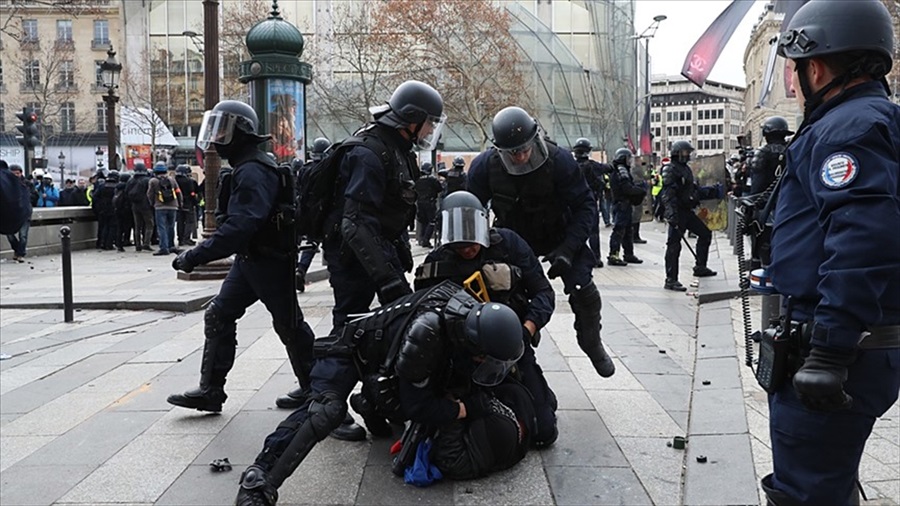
(98, 73)
(30, 31)
(101, 32)
(688, 115)
(721, 113)
(669, 116)
(688, 129)
(32, 74)
(101, 116)
(2, 118)
(64, 30)
(680, 115)
(1, 73)
(66, 74)
(67, 117)
(718, 143)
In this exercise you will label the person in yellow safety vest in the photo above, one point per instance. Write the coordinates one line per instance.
(655, 189)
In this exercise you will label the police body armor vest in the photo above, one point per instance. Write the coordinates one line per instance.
(456, 181)
(452, 267)
(398, 209)
(686, 192)
(277, 237)
(528, 204)
(765, 165)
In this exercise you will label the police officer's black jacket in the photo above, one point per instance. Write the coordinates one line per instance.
(530, 295)
(188, 188)
(456, 181)
(428, 189)
(679, 192)
(253, 206)
(593, 174)
(623, 186)
(549, 207)
(765, 164)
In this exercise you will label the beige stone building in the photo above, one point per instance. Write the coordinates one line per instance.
(50, 53)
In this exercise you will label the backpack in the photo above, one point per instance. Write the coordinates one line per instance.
(319, 183)
(166, 192)
(136, 191)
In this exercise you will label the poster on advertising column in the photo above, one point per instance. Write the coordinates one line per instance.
(285, 119)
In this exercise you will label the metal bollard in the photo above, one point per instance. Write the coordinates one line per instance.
(68, 305)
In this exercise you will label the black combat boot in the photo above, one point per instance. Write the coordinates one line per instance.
(704, 272)
(375, 423)
(349, 430)
(586, 304)
(674, 285)
(293, 399)
(209, 399)
(616, 261)
(631, 259)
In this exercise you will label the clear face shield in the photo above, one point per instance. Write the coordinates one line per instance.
(525, 158)
(491, 371)
(465, 225)
(217, 128)
(430, 132)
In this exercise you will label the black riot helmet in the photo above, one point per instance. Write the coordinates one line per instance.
(623, 156)
(681, 151)
(776, 127)
(582, 148)
(183, 170)
(318, 148)
(494, 331)
(113, 176)
(519, 140)
(414, 103)
(828, 27)
(459, 162)
(464, 220)
(227, 122)
(426, 169)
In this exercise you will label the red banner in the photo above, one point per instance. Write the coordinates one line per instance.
(702, 57)
(646, 148)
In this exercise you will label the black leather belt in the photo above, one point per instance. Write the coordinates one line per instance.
(887, 336)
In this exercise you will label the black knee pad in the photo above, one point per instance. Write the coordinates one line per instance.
(216, 324)
(326, 412)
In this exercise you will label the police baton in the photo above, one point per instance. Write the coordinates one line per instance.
(686, 243)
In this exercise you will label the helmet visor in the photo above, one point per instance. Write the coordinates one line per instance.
(464, 224)
(217, 128)
(491, 371)
(430, 132)
(525, 158)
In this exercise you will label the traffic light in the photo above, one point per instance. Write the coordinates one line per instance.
(29, 138)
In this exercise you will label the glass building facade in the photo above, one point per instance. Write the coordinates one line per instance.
(579, 59)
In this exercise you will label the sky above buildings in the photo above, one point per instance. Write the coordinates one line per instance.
(687, 20)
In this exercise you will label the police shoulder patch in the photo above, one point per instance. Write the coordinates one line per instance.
(839, 170)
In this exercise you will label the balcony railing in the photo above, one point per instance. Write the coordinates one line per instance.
(100, 44)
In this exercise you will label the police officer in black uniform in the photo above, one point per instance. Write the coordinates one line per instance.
(454, 176)
(512, 275)
(536, 189)
(406, 354)
(680, 195)
(836, 251)
(308, 250)
(366, 245)
(769, 159)
(594, 176)
(428, 191)
(625, 194)
(255, 222)
(186, 218)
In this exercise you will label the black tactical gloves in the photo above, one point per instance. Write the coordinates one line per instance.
(393, 290)
(531, 339)
(560, 261)
(181, 262)
(820, 381)
(404, 254)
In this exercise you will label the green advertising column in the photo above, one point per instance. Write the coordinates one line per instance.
(278, 82)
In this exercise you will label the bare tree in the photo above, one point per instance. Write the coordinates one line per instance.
(143, 99)
(237, 19)
(475, 63)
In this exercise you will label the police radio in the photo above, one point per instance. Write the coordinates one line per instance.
(774, 346)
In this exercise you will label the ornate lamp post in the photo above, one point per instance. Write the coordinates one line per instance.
(62, 169)
(109, 71)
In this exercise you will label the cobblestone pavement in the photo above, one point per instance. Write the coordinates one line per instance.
(83, 417)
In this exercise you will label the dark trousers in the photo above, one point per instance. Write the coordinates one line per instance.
(337, 375)
(622, 235)
(143, 226)
(19, 241)
(816, 454)
(687, 221)
(306, 258)
(165, 228)
(108, 230)
(581, 272)
(270, 281)
(604, 209)
(125, 221)
(594, 238)
(186, 224)
(544, 399)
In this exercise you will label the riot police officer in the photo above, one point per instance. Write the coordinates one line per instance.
(769, 159)
(415, 360)
(254, 216)
(428, 191)
(626, 194)
(512, 275)
(680, 195)
(836, 251)
(536, 189)
(308, 250)
(594, 176)
(454, 176)
(366, 245)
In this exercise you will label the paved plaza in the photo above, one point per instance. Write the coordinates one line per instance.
(84, 421)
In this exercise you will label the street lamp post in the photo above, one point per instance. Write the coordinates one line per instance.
(110, 70)
(62, 169)
(646, 35)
